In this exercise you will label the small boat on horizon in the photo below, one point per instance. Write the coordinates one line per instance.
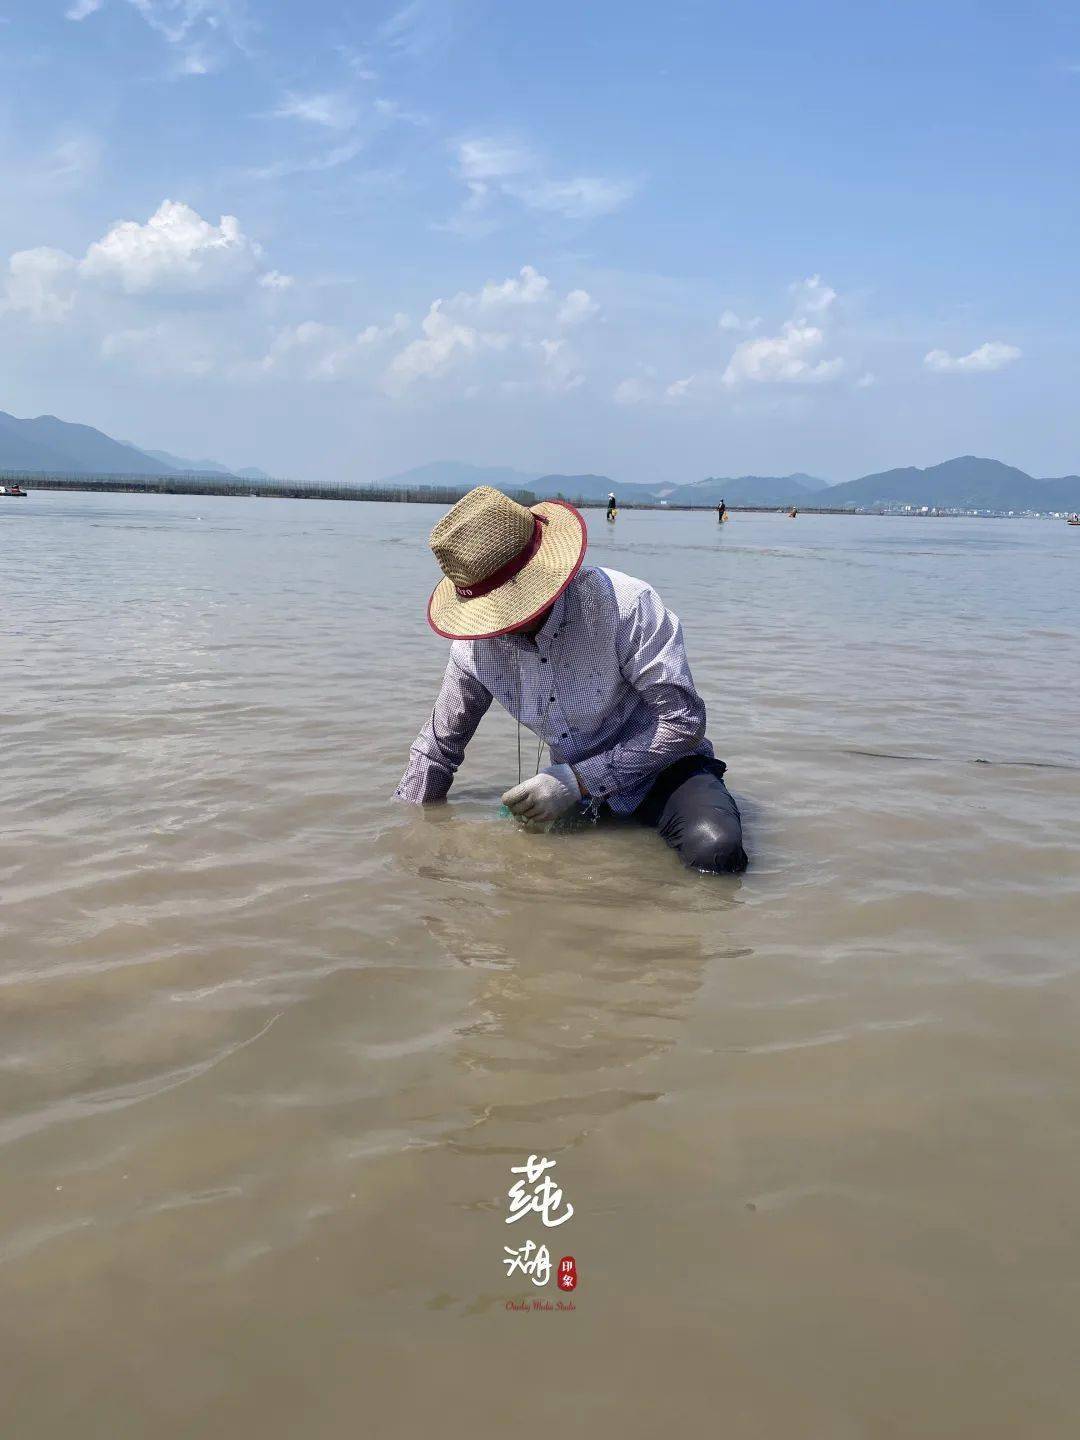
(1073, 520)
(14, 491)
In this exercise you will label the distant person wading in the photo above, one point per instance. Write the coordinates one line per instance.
(612, 508)
(588, 659)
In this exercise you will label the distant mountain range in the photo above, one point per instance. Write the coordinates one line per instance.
(738, 490)
(967, 483)
(745, 490)
(46, 445)
(455, 474)
(204, 467)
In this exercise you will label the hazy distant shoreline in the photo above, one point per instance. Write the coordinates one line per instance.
(282, 490)
(47, 453)
(237, 488)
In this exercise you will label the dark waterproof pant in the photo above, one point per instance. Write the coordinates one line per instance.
(691, 807)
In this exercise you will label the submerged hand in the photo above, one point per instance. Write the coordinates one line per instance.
(546, 796)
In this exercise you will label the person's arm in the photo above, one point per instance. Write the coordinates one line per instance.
(440, 747)
(653, 660)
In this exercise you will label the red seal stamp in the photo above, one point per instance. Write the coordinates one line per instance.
(567, 1273)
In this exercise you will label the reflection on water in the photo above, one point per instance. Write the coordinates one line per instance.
(269, 1044)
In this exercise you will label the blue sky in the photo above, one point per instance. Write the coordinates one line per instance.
(657, 242)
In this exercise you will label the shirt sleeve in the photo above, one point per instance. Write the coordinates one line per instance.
(439, 749)
(652, 657)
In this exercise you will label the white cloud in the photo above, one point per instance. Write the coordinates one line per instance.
(41, 283)
(812, 296)
(415, 30)
(118, 286)
(317, 346)
(391, 110)
(311, 164)
(443, 339)
(316, 351)
(577, 307)
(527, 288)
(74, 159)
(313, 351)
(583, 197)
(866, 380)
(796, 356)
(176, 251)
(560, 367)
(333, 111)
(792, 357)
(164, 349)
(358, 61)
(373, 334)
(730, 321)
(82, 8)
(195, 60)
(339, 116)
(514, 317)
(787, 358)
(491, 159)
(992, 355)
(494, 169)
(483, 165)
(199, 31)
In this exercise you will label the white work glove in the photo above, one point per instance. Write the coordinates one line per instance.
(546, 796)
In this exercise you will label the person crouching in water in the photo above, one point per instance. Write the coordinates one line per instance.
(588, 659)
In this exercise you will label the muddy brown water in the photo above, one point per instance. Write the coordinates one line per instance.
(270, 1044)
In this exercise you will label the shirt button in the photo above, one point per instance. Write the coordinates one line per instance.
(551, 697)
(543, 659)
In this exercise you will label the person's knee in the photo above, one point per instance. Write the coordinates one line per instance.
(713, 848)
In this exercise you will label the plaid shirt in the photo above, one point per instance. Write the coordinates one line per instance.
(606, 683)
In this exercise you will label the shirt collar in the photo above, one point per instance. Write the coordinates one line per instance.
(550, 628)
(553, 624)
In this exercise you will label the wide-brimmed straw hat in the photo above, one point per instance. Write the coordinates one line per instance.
(504, 563)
